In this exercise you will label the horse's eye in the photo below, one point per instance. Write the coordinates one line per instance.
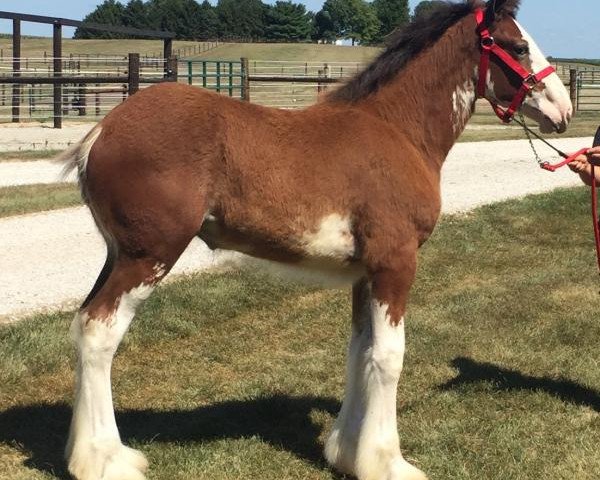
(521, 50)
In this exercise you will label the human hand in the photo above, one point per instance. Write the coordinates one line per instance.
(581, 165)
(593, 156)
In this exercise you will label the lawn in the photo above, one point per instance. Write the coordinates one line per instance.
(231, 375)
(36, 47)
(23, 199)
(485, 126)
(28, 155)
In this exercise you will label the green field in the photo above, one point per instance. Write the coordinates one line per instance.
(35, 47)
(24, 199)
(340, 59)
(235, 376)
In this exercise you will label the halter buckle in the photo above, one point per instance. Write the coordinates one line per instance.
(531, 80)
(488, 42)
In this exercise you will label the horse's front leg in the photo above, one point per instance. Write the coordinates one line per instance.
(364, 441)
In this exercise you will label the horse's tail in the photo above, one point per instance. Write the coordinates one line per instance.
(76, 156)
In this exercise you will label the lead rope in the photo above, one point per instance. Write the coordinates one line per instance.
(595, 214)
(552, 168)
(528, 135)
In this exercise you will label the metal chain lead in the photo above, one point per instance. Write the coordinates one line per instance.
(524, 125)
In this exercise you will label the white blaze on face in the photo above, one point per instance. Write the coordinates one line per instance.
(332, 239)
(551, 107)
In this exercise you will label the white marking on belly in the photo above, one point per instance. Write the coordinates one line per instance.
(332, 239)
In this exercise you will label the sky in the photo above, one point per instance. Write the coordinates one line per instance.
(562, 28)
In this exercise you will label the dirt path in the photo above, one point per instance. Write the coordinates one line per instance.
(27, 136)
(50, 260)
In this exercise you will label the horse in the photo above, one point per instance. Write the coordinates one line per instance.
(348, 188)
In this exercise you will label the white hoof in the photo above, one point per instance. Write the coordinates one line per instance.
(382, 464)
(340, 455)
(400, 469)
(393, 469)
(112, 461)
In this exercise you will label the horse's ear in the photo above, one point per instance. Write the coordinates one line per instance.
(496, 9)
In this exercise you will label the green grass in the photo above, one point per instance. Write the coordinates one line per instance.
(19, 200)
(302, 52)
(28, 155)
(35, 47)
(236, 376)
(584, 124)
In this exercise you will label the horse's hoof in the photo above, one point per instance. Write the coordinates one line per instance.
(107, 462)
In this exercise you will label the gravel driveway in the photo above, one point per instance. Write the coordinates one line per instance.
(50, 260)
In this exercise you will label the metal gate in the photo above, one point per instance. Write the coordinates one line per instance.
(224, 77)
(588, 90)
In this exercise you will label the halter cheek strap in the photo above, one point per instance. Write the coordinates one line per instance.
(489, 47)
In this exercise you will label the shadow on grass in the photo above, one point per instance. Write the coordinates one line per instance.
(472, 372)
(41, 430)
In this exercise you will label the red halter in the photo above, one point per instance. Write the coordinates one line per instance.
(530, 80)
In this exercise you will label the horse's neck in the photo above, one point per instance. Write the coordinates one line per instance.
(433, 97)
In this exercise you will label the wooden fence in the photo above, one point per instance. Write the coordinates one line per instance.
(38, 92)
(90, 87)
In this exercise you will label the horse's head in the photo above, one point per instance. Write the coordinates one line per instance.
(544, 100)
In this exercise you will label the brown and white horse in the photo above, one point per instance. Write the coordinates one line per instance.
(348, 188)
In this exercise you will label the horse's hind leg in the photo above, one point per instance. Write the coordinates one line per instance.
(94, 450)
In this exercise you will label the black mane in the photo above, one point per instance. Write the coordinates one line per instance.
(403, 46)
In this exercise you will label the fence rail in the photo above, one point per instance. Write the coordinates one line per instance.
(52, 88)
(92, 86)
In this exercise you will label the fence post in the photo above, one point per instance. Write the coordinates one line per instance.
(218, 77)
(57, 52)
(134, 73)
(167, 51)
(573, 88)
(319, 85)
(245, 79)
(190, 72)
(82, 100)
(171, 74)
(97, 100)
(16, 90)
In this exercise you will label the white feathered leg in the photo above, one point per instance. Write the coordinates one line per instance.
(94, 450)
(364, 441)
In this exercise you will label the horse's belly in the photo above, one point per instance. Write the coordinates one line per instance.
(324, 256)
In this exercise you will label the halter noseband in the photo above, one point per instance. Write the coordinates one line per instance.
(530, 80)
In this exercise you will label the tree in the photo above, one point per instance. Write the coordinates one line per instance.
(354, 19)
(425, 7)
(242, 18)
(391, 14)
(110, 12)
(288, 21)
(208, 22)
(324, 27)
(179, 16)
(136, 15)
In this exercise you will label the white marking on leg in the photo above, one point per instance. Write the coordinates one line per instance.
(158, 271)
(94, 449)
(364, 441)
(332, 239)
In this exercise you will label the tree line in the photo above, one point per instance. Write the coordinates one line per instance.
(284, 21)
